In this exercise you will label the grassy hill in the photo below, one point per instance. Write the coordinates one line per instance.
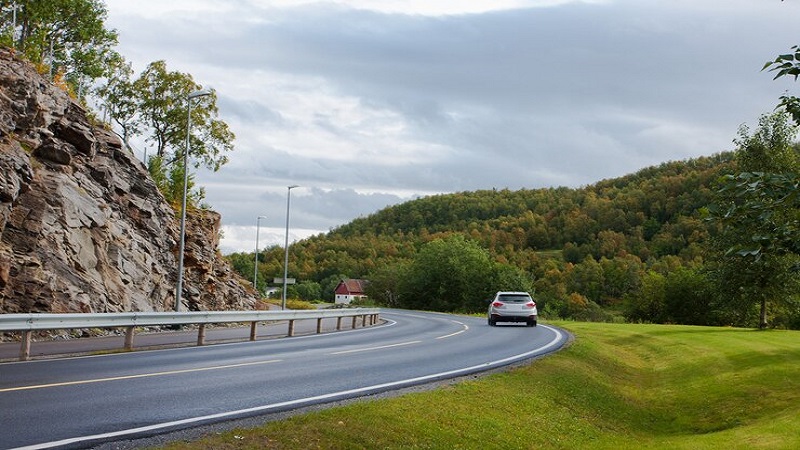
(629, 248)
(636, 248)
(617, 386)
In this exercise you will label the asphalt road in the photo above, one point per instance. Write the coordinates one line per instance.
(80, 402)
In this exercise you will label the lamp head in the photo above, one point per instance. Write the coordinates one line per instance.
(201, 93)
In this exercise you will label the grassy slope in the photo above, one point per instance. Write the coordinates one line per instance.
(618, 386)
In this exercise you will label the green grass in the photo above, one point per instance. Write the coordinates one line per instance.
(617, 386)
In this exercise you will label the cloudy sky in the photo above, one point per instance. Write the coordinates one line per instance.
(368, 103)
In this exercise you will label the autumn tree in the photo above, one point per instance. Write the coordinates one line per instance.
(67, 36)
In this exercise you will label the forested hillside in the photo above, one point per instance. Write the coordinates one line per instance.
(634, 248)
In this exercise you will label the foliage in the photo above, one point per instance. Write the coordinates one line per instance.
(161, 98)
(68, 35)
(617, 386)
(169, 180)
(767, 207)
(449, 274)
(308, 290)
(590, 253)
(385, 283)
(787, 64)
(758, 211)
(156, 106)
(119, 99)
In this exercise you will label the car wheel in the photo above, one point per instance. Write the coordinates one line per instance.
(531, 323)
(492, 322)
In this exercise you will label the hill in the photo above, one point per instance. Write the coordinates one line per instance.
(629, 248)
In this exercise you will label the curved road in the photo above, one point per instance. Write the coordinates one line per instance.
(79, 402)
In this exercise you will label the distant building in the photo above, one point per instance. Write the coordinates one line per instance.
(348, 290)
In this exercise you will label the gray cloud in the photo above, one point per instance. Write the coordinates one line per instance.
(367, 109)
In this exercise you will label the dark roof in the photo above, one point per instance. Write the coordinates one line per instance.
(352, 286)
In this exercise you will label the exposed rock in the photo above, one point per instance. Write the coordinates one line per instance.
(83, 227)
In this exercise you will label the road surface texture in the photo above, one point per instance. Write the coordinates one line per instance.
(81, 402)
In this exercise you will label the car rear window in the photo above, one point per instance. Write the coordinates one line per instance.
(514, 298)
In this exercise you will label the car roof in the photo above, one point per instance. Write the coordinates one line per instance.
(512, 293)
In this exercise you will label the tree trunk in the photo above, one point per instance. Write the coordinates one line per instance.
(762, 323)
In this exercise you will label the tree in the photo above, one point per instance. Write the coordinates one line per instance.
(687, 299)
(647, 304)
(308, 290)
(161, 99)
(155, 107)
(119, 98)
(761, 203)
(69, 36)
(449, 274)
(385, 283)
(758, 211)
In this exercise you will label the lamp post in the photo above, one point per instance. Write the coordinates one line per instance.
(179, 288)
(286, 245)
(255, 272)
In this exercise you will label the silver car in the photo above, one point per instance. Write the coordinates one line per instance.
(512, 307)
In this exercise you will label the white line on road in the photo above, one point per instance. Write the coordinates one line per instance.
(142, 375)
(457, 332)
(366, 349)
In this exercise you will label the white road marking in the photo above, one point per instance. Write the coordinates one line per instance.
(457, 332)
(366, 349)
(143, 375)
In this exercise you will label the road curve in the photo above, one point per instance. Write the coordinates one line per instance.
(80, 402)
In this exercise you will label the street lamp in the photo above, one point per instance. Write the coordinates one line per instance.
(255, 272)
(179, 288)
(286, 245)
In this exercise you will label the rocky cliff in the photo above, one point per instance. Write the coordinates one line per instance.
(83, 228)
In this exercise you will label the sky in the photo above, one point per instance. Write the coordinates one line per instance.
(370, 103)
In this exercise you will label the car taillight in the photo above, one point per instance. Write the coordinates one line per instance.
(531, 305)
(497, 304)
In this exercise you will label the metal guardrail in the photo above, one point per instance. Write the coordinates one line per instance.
(27, 323)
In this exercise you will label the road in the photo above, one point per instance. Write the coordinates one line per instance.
(80, 402)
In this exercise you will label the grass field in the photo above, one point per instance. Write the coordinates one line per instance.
(617, 386)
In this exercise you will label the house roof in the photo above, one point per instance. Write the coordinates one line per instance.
(351, 286)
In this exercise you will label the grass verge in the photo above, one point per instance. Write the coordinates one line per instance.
(617, 386)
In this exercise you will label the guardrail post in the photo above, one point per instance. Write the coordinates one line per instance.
(319, 325)
(201, 334)
(291, 327)
(253, 330)
(338, 323)
(129, 338)
(354, 322)
(363, 320)
(25, 349)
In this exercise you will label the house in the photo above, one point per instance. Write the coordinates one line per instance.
(348, 290)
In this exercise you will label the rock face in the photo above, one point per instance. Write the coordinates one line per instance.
(83, 228)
